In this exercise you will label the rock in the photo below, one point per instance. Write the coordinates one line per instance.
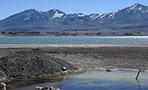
(64, 69)
(2, 86)
(57, 89)
(46, 88)
(38, 88)
(108, 70)
(2, 76)
(51, 88)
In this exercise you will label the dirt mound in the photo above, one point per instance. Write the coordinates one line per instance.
(32, 65)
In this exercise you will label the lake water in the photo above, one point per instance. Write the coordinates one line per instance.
(98, 80)
(75, 39)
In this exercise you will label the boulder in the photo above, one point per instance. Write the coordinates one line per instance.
(2, 86)
(46, 88)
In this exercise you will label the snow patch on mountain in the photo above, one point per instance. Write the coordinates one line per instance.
(81, 15)
(102, 16)
(77, 15)
(134, 6)
(38, 11)
(57, 15)
(94, 16)
(113, 14)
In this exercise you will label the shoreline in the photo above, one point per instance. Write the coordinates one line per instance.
(74, 33)
(64, 45)
(32, 81)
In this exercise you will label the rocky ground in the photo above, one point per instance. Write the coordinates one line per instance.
(23, 64)
(42, 62)
(103, 57)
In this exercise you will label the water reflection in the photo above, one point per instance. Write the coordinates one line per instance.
(139, 85)
(99, 80)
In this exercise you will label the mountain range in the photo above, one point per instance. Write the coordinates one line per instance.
(130, 19)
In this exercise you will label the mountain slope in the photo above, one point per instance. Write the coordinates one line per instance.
(130, 19)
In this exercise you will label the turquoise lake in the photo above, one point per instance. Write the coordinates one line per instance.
(74, 39)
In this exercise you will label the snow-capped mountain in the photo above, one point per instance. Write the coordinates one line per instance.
(132, 13)
(133, 18)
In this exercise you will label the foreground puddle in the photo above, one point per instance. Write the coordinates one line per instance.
(93, 80)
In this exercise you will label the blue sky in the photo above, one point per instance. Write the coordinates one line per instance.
(10, 7)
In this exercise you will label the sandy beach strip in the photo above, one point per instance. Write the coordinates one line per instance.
(73, 45)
